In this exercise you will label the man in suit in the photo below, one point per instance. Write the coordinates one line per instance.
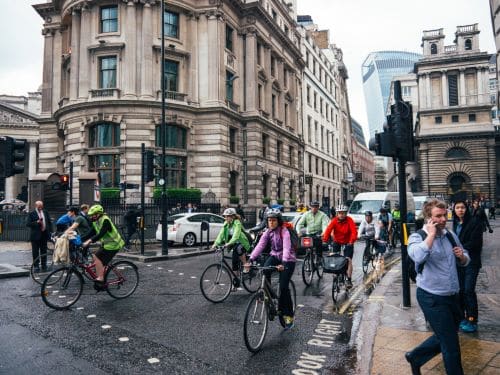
(40, 224)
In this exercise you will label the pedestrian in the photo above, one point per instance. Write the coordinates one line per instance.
(301, 208)
(240, 212)
(66, 220)
(40, 225)
(189, 208)
(333, 212)
(492, 212)
(437, 289)
(262, 212)
(479, 213)
(81, 222)
(470, 232)
(130, 219)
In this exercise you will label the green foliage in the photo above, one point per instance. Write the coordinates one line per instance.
(234, 199)
(280, 200)
(266, 200)
(292, 202)
(110, 193)
(193, 194)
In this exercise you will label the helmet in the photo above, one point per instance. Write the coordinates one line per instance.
(274, 212)
(229, 212)
(314, 204)
(368, 213)
(341, 208)
(396, 205)
(383, 209)
(96, 209)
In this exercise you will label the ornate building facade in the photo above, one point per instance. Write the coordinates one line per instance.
(454, 134)
(233, 88)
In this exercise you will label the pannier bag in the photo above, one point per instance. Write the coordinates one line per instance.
(335, 263)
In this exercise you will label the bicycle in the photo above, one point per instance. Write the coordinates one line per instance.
(312, 261)
(135, 239)
(38, 275)
(336, 264)
(396, 234)
(368, 260)
(262, 308)
(218, 279)
(63, 287)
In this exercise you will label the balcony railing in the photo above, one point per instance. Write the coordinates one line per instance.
(433, 33)
(104, 93)
(450, 49)
(467, 28)
(173, 95)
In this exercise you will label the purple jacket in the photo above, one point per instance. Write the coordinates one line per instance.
(281, 246)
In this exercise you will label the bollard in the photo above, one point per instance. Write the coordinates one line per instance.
(205, 226)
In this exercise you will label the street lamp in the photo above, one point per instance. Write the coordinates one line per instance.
(164, 225)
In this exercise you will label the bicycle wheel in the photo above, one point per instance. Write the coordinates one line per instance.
(319, 265)
(216, 283)
(335, 288)
(256, 322)
(293, 295)
(65, 291)
(251, 281)
(307, 270)
(135, 242)
(39, 275)
(121, 279)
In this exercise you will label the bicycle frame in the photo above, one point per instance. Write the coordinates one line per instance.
(88, 270)
(219, 251)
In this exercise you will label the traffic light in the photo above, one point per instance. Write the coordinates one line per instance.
(403, 130)
(64, 182)
(11, 151)
(149, 167)
(383, 144)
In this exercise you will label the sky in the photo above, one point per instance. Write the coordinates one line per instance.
(358, 27)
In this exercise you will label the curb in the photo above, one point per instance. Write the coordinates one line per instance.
(160, 258)
(9, 270)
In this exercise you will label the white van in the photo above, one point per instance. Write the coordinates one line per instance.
(374, 201)
(419, 203)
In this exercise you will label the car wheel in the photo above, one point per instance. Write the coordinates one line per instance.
(189, 239)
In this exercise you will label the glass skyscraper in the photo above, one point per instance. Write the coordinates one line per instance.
(378, 70)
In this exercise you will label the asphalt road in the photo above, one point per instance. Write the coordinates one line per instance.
(168, 327)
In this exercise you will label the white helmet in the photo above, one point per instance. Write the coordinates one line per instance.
(229, 212)
(341, 208)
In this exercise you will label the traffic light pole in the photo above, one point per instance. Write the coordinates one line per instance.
(164, 225)
(71, 184)
(143, 185)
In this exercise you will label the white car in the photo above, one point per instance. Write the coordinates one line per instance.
(292, 217)
(186, 228)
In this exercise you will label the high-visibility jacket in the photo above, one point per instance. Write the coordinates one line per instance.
(112, 240)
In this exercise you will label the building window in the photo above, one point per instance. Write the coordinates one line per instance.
(310, 163)
(265, 184)
(229, 37)
(468, 44)
(171, 26)
(104, 135)
(109, 19)
(107, 72)
(457, 153)
(259, 93)
(274, 14)
(175, 169)
(229, 85)
(472, 117)
(291, 189)
(308, 95)
(453, 89)
(233, 183)
(279, 146)
(175, 136)
(286, 114)
(438, 120)
(322, 138)
(108, 167)
(309, 129)
(171, 75)
(259, 54)
(273, 105)
(434, 49)
(290, 156)
(315, 102)
(406, 91)
(454, 118)
(264, 145)
(279, 183)
(493, 114)
(321, 106)
(317, 166)
(232, 140)
(273, 67)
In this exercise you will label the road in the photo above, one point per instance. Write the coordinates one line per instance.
(168, 327)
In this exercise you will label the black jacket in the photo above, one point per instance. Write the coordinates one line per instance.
(35, 229)
(471, 237)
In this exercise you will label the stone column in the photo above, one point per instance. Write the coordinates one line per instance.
(48, 63)
(32, 160)
(463, 99)
(444, 88)
(146, 67)
(214, 61)
(84, 77)
(428, 97)
(251, 70)
(481, 92)
(193, 73)
(268, 89)
(75, 51)
(129, 66)
(57, 68)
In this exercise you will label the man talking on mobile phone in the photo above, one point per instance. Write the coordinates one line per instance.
(436, 258)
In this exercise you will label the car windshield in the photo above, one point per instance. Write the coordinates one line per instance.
(289, 217)
(170, 219)
(360, 207)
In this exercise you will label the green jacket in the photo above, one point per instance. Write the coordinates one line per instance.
(238, 235)
(313, 223)
(112, 240)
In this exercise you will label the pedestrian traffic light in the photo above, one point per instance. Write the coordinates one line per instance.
(383, 144)
(149, 167)
(64, 182)
(11, 151)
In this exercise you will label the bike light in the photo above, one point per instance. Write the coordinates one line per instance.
(306, 242)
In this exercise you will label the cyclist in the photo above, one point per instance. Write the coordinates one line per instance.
(386, 217)
(81, 224)
(367, 230)
(66, 220)
(396, 224)
(130, 219)
(104, 230)
(233, 237)
(343, 231)
(314, 222)
(282, 256)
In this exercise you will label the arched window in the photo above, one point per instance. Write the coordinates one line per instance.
(434, 49)
(175, 136)
(468, 44)
(457, 183)
(457, 153)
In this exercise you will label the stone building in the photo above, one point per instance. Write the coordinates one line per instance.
(363, 162)
(233, 89)
(454, 133)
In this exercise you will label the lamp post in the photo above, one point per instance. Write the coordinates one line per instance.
(164, 225)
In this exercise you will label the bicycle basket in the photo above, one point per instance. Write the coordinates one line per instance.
(335, 263)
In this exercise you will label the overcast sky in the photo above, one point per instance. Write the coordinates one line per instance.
(357, 26)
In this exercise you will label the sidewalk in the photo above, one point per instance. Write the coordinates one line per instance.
(387, 330)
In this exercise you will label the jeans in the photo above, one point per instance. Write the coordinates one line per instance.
(467, 276)
(443, 315)
(131, 229)
(285, 304)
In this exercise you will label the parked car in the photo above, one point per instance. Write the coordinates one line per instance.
(419, 203)
(292, 217)
(12, 205)
(185, 228)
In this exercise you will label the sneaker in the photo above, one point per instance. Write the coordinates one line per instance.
(99, 285)
(462, 324)
(236, 283)
(289, 321)
(348, 284)
(469, 327)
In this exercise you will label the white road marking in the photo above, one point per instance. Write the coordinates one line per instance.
(170, 270)
(181, 274)
(160, 268)
(123, 339)
(79, 308)
(300, 305)
(91, 316)
(106, 326)
(193, 277)
(153, 360)
(149, 265)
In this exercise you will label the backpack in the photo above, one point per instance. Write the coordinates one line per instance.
(413, 269)
(294, 237)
